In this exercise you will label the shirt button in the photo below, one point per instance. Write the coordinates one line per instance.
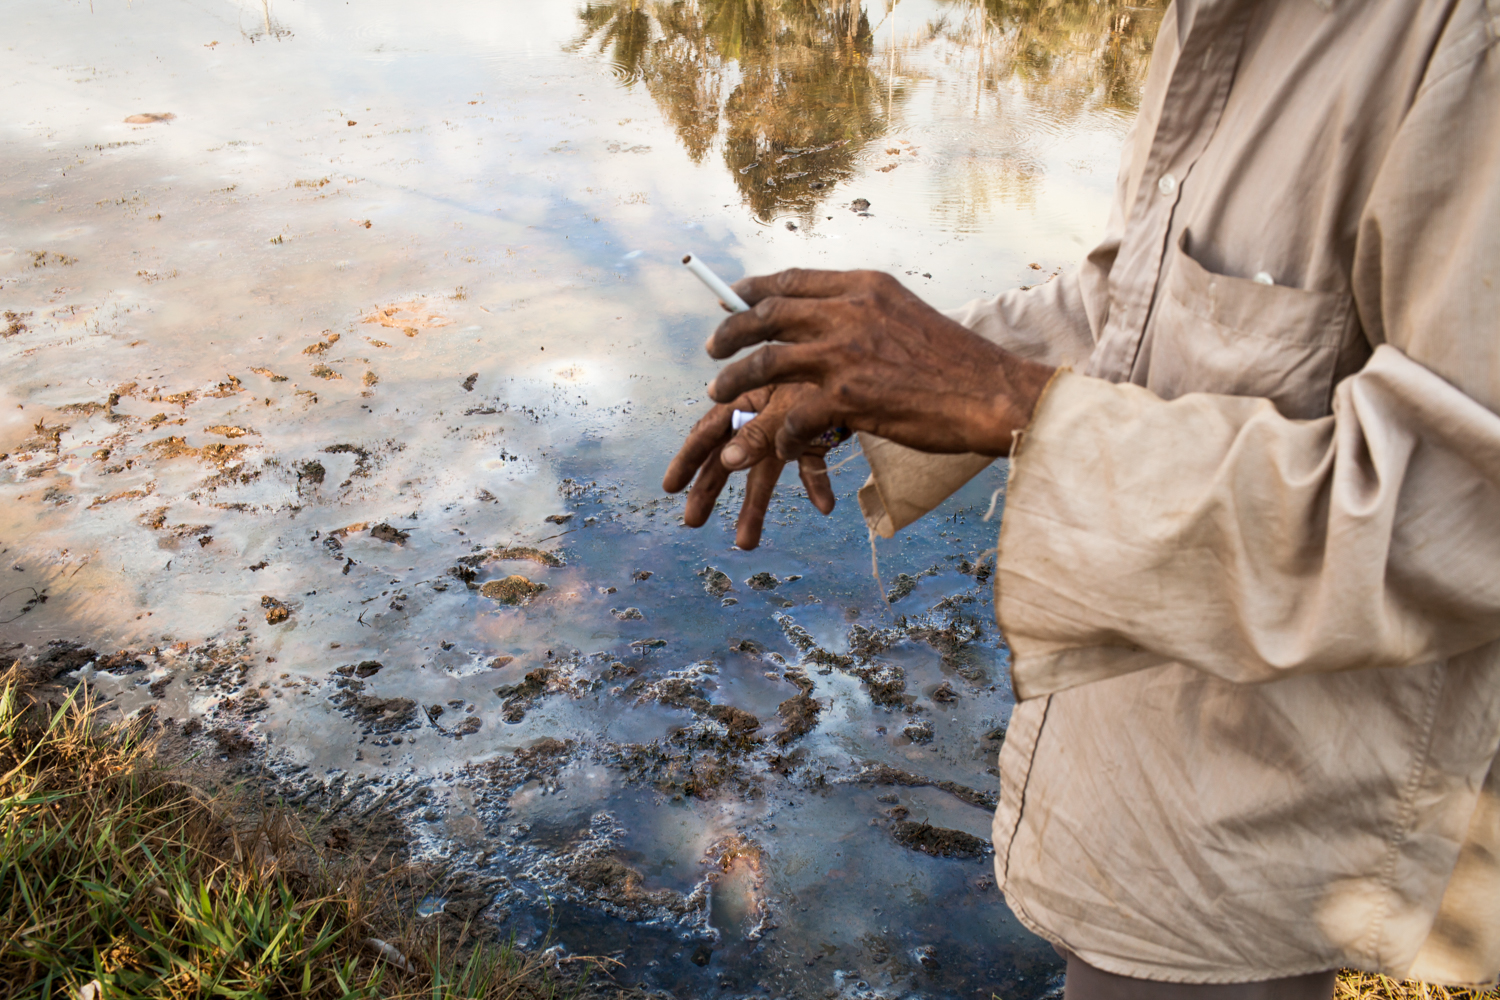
(1167, 184)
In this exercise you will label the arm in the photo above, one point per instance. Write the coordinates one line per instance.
(1212, 531)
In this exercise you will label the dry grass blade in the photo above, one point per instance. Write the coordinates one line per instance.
(1370, 986)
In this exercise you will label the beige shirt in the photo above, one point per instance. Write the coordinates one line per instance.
(1250, 564)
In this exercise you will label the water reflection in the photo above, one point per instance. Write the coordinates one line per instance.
(791, 81)
(794, 92)
(1070, 56)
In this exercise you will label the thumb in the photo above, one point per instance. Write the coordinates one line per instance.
(753, 442)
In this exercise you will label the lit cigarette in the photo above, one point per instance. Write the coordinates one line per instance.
(715, 284)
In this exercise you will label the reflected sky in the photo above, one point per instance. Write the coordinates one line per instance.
(417, 267)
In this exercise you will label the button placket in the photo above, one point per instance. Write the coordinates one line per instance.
(1181, 135)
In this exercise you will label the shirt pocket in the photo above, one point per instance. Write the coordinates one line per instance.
(1214, 333)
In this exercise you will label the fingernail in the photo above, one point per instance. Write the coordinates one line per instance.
(733, 455)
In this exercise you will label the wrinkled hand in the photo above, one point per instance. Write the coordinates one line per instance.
(753, 448)
(882, 361)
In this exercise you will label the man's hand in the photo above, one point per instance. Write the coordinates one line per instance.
(882, 361)
(754, 449)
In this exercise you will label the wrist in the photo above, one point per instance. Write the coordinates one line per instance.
(1021, 384)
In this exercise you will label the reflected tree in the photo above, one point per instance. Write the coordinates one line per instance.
(1065, 52)
(789, 94)
(786, 84)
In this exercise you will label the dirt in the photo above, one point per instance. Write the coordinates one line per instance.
(375, 714)
(762, 581)
(363, 669)
(276, 612)
(799, 714)
(231, 741)
(383, 532)
(61, 657)
(883, 774)
(525, 552)
(513, 590)
(939, 841)
(517, 698)
(611, 880)
(716, 582)
(738, 721)
(901, 587)
(918, 731)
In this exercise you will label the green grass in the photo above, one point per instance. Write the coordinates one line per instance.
(119, 880)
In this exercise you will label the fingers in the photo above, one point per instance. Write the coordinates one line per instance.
(775, 363)
(804, 423)
(814, 473)
(796, 282)
(759, 486)
(707, 434)
(705, 492)
(778, 318)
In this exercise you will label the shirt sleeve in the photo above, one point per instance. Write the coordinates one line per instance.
(1212, 531)
(1056, 323)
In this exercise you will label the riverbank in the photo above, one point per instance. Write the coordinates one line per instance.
(134, 867)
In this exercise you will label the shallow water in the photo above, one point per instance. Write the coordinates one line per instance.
(395, 285)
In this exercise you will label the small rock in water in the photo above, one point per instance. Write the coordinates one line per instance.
(276, 612)
(641, 575)
(902, 586)
(500, 661)
(716, 582)
(702, 954)
(627, 614)
(859, 205)
(926, 956)
(558, 518)
(945, 693)
(736, 720)
(728, 601)
(762, 581)
(512, 590)
(469, 382)
(641, 645)
(385, 533)
(918, 731)
(938, 841)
